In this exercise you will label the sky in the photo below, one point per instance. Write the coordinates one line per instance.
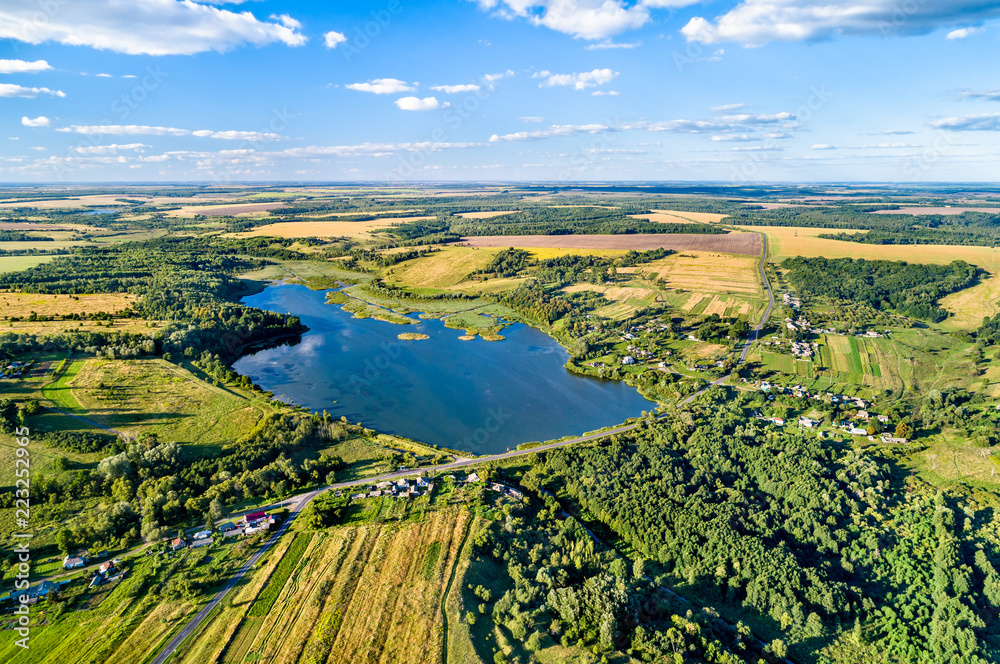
(541, 90)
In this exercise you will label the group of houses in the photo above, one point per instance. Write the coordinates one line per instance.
(401, 488)
(248, 524)
(14, 369)
(791, 301)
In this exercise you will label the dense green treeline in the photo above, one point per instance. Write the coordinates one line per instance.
(818, 539)
(912, 289)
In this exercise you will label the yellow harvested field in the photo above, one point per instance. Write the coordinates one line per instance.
(22, 304)
(615, 293)
(708, 271)
(354, 229)
(543, 253)
(442, 269)
(370, 593)
(66, 203)
(485, 215)
(234, 209)
(968, 307)
(734, 243)
(680, 217)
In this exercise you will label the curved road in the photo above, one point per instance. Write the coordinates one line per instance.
(299, 502)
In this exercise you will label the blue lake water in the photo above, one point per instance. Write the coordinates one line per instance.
(478, 396)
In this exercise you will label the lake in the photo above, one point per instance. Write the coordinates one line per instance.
(477, 396)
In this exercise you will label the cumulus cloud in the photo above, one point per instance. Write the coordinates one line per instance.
(578, 81)
(981, 122)
(757, 22)
(382, 86)
(40, 121)
(982, 95)
(613, 45)
(418, 104)
(332, 38)
(551, 132)
(23, 66)
(726, 108)
(962, 33)
(823, 146)
(453, 89)
(147, 130)
(583, 19)
(145, 27)
(605, 93)
(109, 149)
(11, 90)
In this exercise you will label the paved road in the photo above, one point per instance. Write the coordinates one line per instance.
(192, 626)
(300, 501)
(755, 332)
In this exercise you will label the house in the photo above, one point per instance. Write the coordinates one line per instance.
(254, 516)
(514, 492)
(357, 496)
(72, 562)
(780, 421)
(807, 422)
(177, 544)
(202, 534)
(893, 440)
(473, 477)
(863, 414)
(422, 482)
(226, 527)
(628, 359)
(107, 567)
(37, 592)
(856, 431)
(203, 542)
(231, 532)
(884, 419)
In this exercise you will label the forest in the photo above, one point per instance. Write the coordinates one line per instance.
(911, 289)
(823, 542)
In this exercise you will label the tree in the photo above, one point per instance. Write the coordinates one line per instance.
(64, 540)
(902, 430)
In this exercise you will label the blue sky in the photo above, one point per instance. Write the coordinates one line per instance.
(396, 90)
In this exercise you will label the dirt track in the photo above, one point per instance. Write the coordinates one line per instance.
(733, 243)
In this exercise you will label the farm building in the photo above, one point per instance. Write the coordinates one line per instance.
(35, 593)
(254, 516)
(230, 532)
(202, 534)
(177, 544)
(72, 562)
(224, 528)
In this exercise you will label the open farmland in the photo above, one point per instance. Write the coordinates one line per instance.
(968, 307)
(230, 209)
(353, 229)
(733, 243)
(153, 396)
(675, 217)
(485, 215)
(443, 269)
(368, 593)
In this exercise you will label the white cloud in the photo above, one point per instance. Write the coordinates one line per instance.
(418, 104)
(11, 90)
(982, 122)
(23, 66)
(610, 45)
(756, 22)
(40, 121)
(108, 149)
(552, 132)
(146, 130)
(103, 75)
(149, 27)
(579, 81)
(727, 108)
(603, 93)
(332, 38)
(453, 89)
(983, 95)
(493, 78)
(823, 146)
(382, 86)
(962, 33)
(129, 76)
(583, 19)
